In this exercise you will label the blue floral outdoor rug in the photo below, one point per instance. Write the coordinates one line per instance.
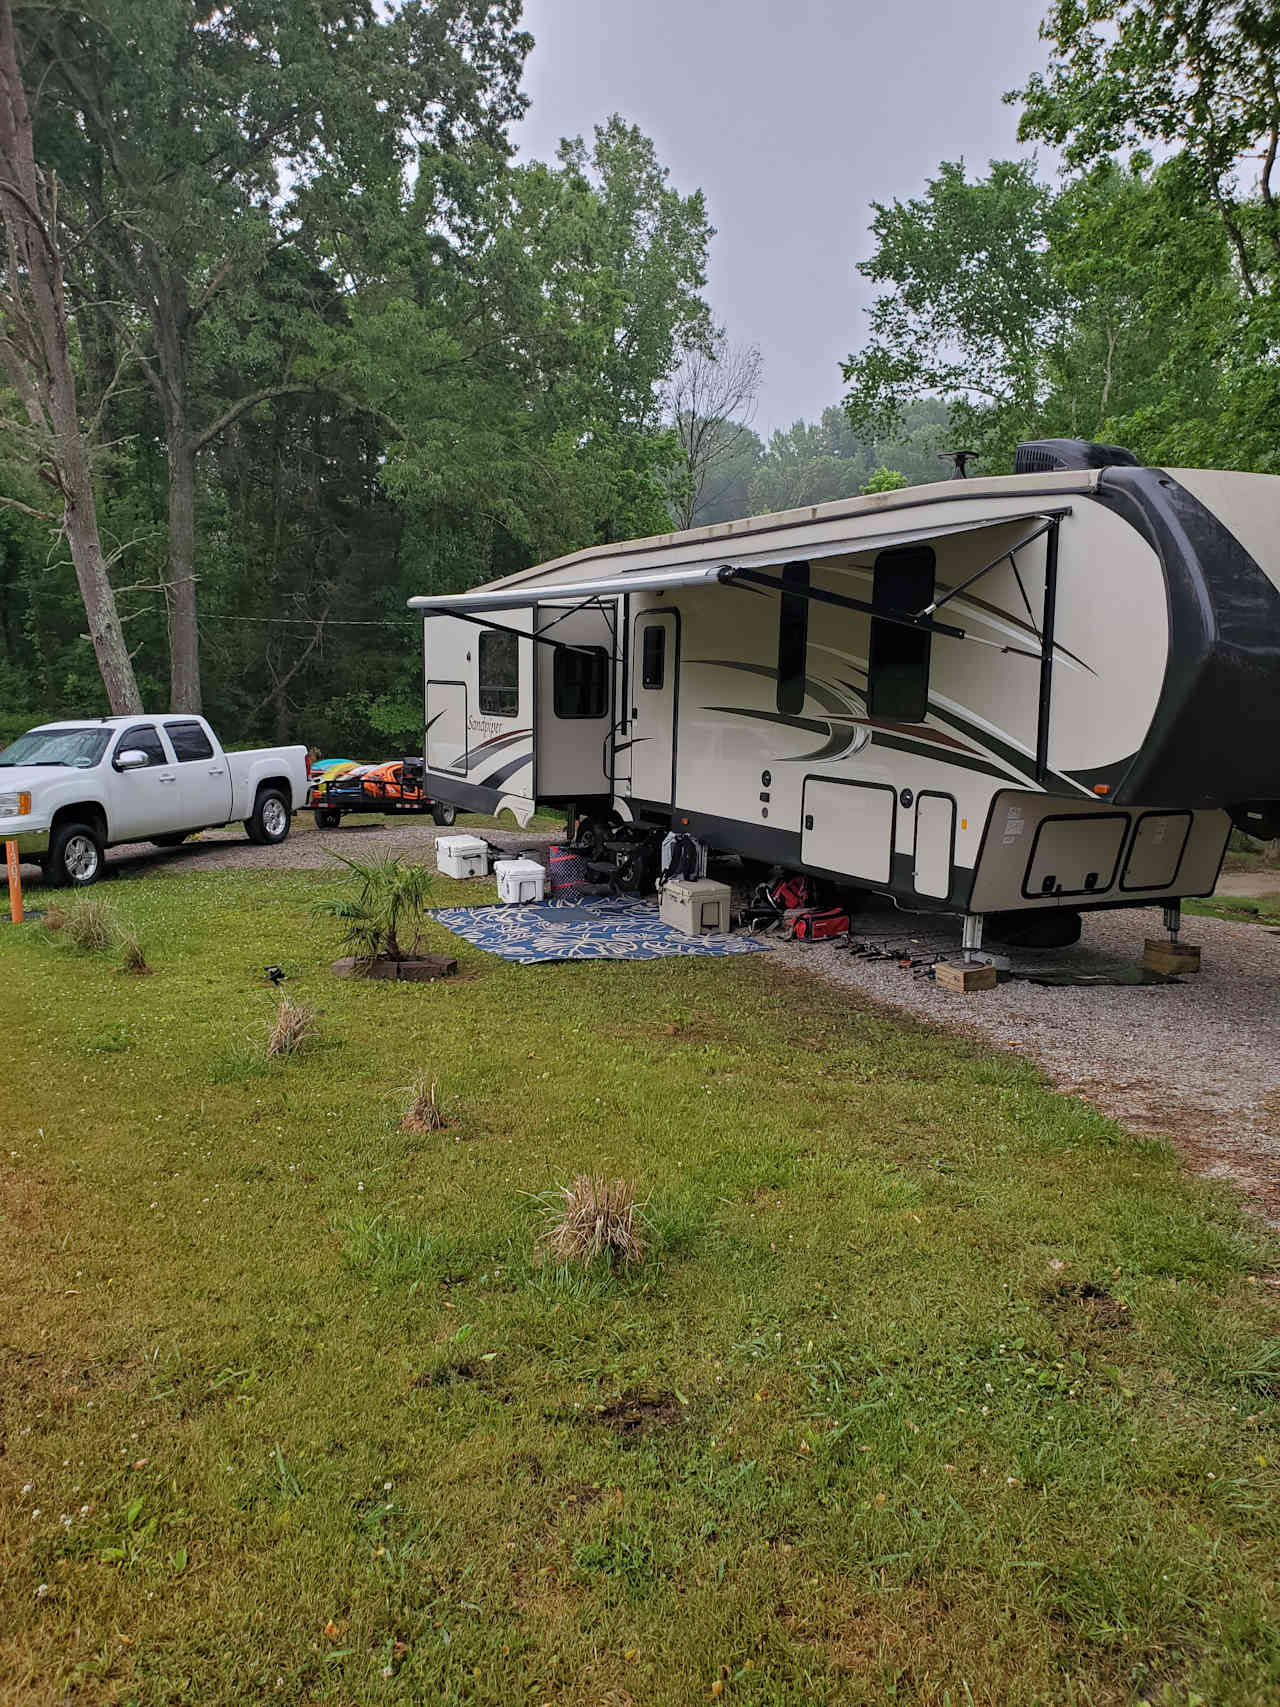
(607, 928)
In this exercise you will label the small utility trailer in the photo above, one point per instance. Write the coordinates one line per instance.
(395, 788)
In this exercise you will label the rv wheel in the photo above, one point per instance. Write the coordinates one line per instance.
(637, 869)
(1056, 929)
(443, 813)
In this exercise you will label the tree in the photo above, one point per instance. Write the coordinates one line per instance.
(883, 480)
(712, 401)
(36, 347)
(818, 462)
(1200, 83)
(1201, 79)
(972, 299)
(198, 142)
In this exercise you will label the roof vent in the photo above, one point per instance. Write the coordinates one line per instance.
(1057, 456)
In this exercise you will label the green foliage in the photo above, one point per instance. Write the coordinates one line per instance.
(1139, 302)
(972, 293)
(402, 363)
(884, 480)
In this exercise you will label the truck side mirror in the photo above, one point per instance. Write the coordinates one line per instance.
(132, 759)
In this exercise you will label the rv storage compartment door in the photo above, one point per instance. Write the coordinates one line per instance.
(1155, 853)
(848, 827)
(1075, 855)
(446, 726)
(935, 837)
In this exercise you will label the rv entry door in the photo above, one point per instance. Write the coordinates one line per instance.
(655, 672)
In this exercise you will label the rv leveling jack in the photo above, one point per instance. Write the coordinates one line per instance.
(971, 941)
(1171, 957)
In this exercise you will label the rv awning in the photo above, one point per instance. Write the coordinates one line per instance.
(521, 595)
(562, 592)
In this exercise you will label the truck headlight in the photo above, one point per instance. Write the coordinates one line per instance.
(15, 805)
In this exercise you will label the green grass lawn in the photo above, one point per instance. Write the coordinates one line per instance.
(1255, 910)
(936, 1387)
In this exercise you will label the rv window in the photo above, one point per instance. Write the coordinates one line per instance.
(898, 667)
(654, 667)
(499, 674)
(580, 682)
(793, 637)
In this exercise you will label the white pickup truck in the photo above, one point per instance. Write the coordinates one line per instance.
(70, 790)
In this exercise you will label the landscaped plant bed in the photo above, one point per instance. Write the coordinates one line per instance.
(392, 899)
(417, 969)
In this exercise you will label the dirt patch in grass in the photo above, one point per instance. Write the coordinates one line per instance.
(577, 1496)
(454, 1375)
(640, 1413)
(1089, 1307)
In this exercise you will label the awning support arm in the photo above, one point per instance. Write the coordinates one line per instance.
(1047, 622)
(501, 628)
(1050, 521)
(901, 619)
(585, 604)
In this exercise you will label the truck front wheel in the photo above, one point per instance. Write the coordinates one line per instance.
(75, 857)
(269, 821)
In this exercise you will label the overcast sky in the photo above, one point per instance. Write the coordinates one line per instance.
(792, 116)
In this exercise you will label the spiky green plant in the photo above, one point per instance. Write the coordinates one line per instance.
(391, 900)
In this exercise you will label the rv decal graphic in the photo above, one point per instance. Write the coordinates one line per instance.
(504, 771)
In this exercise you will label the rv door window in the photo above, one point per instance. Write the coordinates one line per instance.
(580, 682)
(898, 666)
(793, 638)
(654, 664)
(499, 671)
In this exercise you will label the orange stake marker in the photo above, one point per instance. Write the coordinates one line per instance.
(15, 882)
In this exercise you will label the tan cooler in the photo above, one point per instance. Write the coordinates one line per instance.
(695, 908)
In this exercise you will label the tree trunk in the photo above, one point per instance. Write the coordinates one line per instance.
(38, 358)
(184, 678)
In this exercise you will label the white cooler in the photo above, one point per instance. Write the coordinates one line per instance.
(520, 880)
(462, 856)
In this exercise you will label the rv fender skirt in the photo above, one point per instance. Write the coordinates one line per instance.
(1260, 820)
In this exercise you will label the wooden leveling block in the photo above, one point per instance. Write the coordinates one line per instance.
(963, 976)
(1161, 955)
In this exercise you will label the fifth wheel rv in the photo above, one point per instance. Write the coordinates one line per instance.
(1032, 694)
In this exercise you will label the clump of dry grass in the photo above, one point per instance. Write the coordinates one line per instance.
(132, 958)
(423, 1113)
(54, 918)
(90, 924)
(293, 1027)
(590, 1218)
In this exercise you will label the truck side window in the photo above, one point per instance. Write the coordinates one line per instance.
(793, 639)
(653, 669)
(142, 738)
(898, 665)
(579, 682)
(499, 671)
(189, 742)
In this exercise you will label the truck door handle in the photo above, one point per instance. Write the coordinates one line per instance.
(215, 770)
(169, 778)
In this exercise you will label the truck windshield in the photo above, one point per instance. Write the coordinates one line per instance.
(79, 748)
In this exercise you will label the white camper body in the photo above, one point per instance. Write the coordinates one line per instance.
(1049, 690)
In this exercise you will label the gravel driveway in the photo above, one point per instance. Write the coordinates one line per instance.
(306, 849)
(1198, 1061)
